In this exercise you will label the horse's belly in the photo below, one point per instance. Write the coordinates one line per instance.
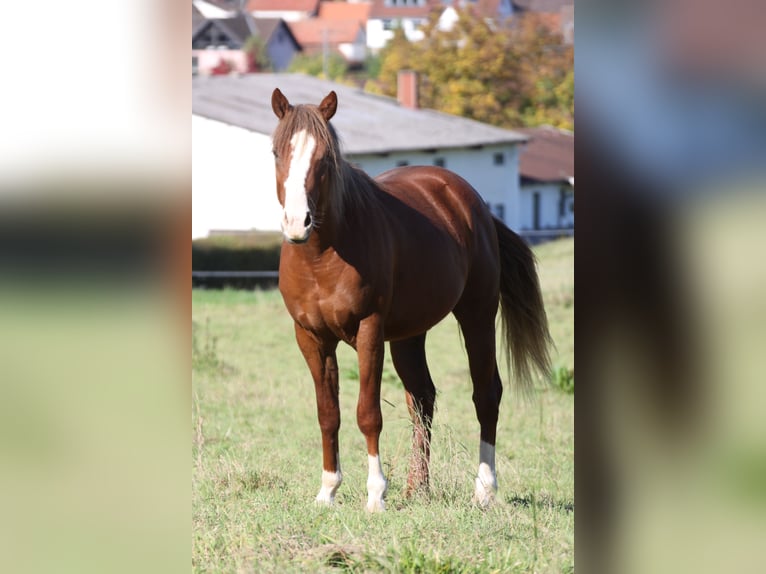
(424, 295)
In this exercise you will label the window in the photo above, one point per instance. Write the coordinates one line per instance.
(536, 210)
(562, 201)
(440, 162)
(404, 2)
(499, 158)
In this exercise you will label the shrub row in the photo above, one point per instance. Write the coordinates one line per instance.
(256, 251)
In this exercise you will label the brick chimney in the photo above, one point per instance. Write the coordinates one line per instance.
(407, 89)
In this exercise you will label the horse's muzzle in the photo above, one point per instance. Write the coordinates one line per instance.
(296, 229)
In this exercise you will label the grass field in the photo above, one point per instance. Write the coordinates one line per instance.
(256, 454)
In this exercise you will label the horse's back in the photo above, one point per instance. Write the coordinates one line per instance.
(441, 195)
(445, 234)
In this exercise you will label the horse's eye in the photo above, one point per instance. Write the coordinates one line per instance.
(274, 151)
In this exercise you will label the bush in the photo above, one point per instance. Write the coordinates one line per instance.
(256, 251)
(563, 378)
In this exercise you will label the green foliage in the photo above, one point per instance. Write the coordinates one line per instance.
(255, 47)
(412, 560)
(372, 66)
(563, 378)
(517, 75)
(257, 251)
(313, 65)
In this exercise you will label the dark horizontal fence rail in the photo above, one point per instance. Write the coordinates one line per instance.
(270, 279)
(238, 274)
(235, 279)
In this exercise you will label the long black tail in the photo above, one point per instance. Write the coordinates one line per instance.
(526, 338)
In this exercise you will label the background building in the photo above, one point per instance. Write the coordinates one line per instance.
(233, 168)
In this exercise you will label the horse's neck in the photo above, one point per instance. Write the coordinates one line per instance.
(342, 200)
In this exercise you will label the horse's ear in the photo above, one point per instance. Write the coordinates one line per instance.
(279, 103)
(328, 106)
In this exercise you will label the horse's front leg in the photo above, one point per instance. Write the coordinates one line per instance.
(370, 349)
(320, 356)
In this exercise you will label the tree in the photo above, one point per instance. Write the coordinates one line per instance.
(313, 65)
(258, 56)
(513, 76)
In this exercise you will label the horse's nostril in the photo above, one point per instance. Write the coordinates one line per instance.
(307, 221)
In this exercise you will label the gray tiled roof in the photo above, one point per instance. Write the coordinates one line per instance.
(366, 123)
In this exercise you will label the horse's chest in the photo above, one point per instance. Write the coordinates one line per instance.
(330, 312)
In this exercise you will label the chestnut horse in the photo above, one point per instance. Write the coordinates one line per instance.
(366, 261)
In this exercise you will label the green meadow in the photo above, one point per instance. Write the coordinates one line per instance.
(256, 452)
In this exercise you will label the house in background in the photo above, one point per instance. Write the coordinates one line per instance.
(211, 9)
(558, 15)
(287, 10)
(281, 45)
(217, 43)
(353, 15)
(492, 11)
(198, 18)
(233, 180)
(344, 37)
(546, 165)
(359, 11)
(388, 15)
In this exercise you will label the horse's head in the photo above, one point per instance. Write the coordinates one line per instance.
(305, 152)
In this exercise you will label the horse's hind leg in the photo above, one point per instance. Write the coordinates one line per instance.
(409, 357)
(478, 327)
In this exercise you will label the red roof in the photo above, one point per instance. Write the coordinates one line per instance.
(548, 156)
(312, 32)
(344, 11)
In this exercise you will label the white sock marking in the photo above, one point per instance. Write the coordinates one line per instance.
(296, 203)
(486, 481)
(330, 483)
(376, 484)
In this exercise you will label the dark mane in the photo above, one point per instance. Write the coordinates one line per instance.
(350, 187)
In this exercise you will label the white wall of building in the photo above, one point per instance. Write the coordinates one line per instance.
(550, 214)
(233, 180)
(209, 59)
(379, 32)
(286, 15)
(355, 52)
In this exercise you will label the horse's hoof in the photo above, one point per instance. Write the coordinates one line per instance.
(376, 506)
(484, 494)
(324, 500)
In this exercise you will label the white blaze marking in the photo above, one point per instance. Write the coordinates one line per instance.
(376, 484)
(330, 483)
(486, 481)
(296, 203)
